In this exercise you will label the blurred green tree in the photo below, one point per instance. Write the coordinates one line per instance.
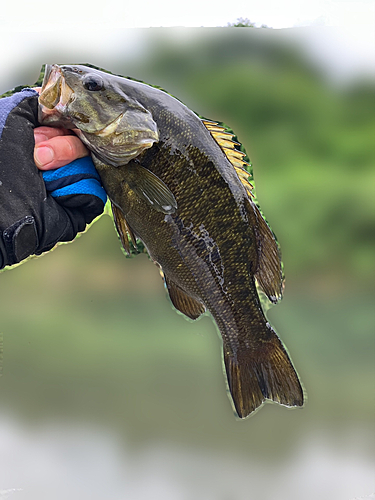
(244, 22)
(310, 141)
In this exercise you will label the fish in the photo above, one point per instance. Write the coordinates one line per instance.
(180, 184)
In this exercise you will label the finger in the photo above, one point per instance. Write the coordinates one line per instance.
(44, 133)
(58, 151)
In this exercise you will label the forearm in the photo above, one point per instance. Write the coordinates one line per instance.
(33, 216)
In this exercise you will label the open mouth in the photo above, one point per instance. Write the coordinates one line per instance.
(55, 94)
(59, 106)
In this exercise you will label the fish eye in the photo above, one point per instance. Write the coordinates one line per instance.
(93, 83)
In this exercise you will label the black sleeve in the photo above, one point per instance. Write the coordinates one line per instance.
(31, 222)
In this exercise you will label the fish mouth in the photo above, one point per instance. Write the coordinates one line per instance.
(55, 95)
(54, 98)
(116, 142)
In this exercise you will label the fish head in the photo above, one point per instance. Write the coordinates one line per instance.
(97, 106)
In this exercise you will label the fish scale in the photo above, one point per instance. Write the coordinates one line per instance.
(226, 229)
(179, 184)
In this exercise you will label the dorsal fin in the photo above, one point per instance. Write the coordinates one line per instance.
(231, 150)
(269, 273)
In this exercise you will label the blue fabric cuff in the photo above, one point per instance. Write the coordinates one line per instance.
(7, 104)
(88, 186)
(77, 177)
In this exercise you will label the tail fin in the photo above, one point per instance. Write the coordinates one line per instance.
(262, 372)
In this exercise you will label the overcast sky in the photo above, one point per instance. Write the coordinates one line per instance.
(27, 28)
(25, 15)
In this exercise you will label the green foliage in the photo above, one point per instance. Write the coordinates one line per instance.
(90, 337)
(244, 22)
(311, 144)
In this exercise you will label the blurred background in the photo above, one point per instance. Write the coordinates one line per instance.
(106, 392)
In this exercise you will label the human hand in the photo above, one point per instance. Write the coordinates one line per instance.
(55, 147)
(40, 209)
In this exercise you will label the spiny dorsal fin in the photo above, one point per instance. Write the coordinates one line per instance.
(125, 233)
(234, 155)
(269, 272)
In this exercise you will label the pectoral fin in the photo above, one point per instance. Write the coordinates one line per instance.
(192, 308)
(150, 188)
(123, 229)
(269, 272)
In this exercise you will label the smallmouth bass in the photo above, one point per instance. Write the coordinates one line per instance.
(177, 183)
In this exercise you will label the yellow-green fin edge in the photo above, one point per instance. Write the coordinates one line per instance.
(234, 151)
(237, 156)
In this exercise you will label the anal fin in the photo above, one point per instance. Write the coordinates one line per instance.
(123, 229)
(186, 304)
